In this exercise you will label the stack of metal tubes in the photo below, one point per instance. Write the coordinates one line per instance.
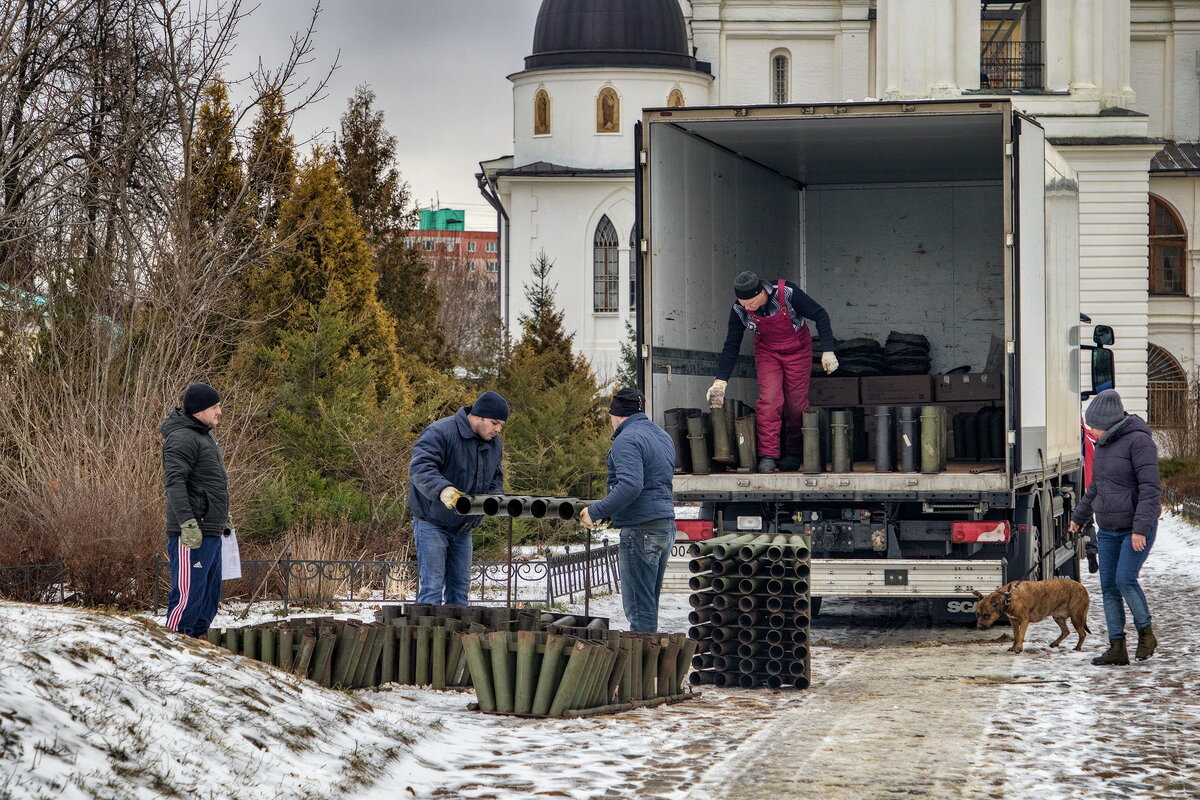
(751, 610)
(724, 437)
(515, 505)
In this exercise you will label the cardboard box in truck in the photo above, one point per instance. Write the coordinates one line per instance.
(897, 390)
(833, 391)
(968, 386)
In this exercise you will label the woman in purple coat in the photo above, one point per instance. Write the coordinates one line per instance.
(1125, 497)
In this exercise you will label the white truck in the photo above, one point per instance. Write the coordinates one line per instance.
(955, 219)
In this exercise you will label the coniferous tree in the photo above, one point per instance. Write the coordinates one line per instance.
(629, 363)
(366, 155)
(542, 328)
(271, 169)
(217, 179)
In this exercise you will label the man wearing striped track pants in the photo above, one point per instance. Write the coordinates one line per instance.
(197, 513)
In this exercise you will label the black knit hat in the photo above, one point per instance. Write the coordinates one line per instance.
(198, 397)
(490, 405)
(627, 402)
(746, 285)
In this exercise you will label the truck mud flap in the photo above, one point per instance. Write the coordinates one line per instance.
(905, 578)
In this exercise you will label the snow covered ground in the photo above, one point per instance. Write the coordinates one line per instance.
(102, 706)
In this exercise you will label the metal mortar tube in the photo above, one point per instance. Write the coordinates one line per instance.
(698, 441)
(722, 443)
(811, 429)
(908, 434)
(840, 426)
(885, 461)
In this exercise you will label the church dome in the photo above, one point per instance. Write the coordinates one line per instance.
(611, 33)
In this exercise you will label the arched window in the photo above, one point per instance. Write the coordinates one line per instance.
(633, 244)
(541, 113)
(605, 273)
(675, 98)
(781, 76)
(1168, 244)
(1168, 387)
(608, 111)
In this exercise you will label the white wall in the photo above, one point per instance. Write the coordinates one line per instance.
(573, 140)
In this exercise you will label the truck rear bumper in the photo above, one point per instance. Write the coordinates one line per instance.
(904, 577)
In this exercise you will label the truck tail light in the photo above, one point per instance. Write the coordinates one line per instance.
(986, 531)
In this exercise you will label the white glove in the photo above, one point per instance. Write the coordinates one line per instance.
(829, 362)
(716, 394)
(585, 519)
(449, 496)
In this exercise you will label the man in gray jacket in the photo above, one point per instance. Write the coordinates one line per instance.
(641, 464)
(197, 515)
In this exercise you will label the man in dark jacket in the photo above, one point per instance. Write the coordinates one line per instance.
(197, 515)
(455, 456)
(641, 464)
(1125, 497)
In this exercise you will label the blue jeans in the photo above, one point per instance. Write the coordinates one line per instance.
(642, 554)
(443, 564)
(1119, 568)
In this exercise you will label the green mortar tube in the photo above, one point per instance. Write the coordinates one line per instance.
(501, 677)
(266, 646)
(438, 658)
(421, 671)
(214, 636)
(525, 685)
(481, 676)
(231, 639)
(308, 643)
(547, 678)
(387, 654)
(357, 675)
(577, 657)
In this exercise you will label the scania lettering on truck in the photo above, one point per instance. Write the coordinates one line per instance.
(946, 225)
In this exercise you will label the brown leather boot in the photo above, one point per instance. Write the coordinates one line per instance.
(1115, 655)
(1147, 643)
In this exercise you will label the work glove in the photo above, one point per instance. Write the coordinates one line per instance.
(716, 394)
(228, 528)
(449, 496)
(829, 362)
(585, 519)
(189, 534)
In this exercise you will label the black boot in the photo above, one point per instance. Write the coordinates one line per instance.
(1147, 643)
(1115, 655)
(1093, 565)
(766, 464)
(789, 463)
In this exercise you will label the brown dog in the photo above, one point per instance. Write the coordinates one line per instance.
(1024, 602)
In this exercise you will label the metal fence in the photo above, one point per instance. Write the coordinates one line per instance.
(1189, 508)
(34, 583)
(1010, 65)
(299, 581)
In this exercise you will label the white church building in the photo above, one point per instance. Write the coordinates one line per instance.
(1115, 84)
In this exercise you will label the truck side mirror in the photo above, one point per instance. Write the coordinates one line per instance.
(1103, 336)
(1103, 375)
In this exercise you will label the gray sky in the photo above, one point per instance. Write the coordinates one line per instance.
(438, 69)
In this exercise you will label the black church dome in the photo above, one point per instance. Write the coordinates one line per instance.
(611, 33)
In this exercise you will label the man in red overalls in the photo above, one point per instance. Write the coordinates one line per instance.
(783, 358)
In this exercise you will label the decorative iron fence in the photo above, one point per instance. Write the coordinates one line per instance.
(1011, 65)
(1189, 508)
(295, 581)
(1168, 403)
(34, 583)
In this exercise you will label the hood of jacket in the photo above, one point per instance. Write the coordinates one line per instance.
(178, 420)
(1131, 424)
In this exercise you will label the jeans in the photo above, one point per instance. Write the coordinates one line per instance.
(642, 555)
(1119, 568)
(443, 564)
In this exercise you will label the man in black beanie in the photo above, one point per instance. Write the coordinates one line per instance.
(641, 465)
(455, 456)
(775, 314)
(197, 516)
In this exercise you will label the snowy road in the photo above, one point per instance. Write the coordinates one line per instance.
(898, 708)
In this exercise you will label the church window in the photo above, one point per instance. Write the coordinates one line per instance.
(781, 63)
(1168, 388)
(605, 273)
(1168, 244)
(541, 113)
(608, 111)
(675, 98)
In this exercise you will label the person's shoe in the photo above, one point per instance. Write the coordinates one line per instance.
(1093, 564)
(1147, 643)
(767, 464)
(789, 463)
(1115, 655)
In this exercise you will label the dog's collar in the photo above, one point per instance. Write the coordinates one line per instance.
(1008, 593)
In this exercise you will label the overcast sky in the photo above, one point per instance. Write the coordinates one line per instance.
(438, 69)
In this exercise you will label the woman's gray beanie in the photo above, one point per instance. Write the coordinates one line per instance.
(1105, 411)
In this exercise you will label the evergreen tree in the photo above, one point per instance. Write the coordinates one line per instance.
(557, 437)
(325, 254)
(366, 155)
(629, 364)
(216, 180)
(271, 170)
